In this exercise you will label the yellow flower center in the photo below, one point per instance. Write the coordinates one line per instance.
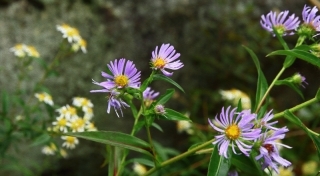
(159, 63)
(70, 139)
(121, 80)
(72, 32)
(62, 122)
(233, 132)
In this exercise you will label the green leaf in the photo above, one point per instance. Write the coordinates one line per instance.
(300, 54)
(174, 115)
(142, 161)
(219, 165)
(245, 164)
(262, 84)
(167, 79)
(115, 139)
(291, 85)
(165, 97)
(316, 141)
(41, 140)
(257, 165)
(157, 126)
(294, 119)
(318, 95)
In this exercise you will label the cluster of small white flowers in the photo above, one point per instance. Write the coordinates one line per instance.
(22, 50)
(73, 36)
(234, 95)
(44, 97)
(69, 120)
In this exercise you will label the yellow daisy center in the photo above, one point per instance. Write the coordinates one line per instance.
(159, 63)
(70, 139)
(121, 80)
(62, 122)
(233, 132)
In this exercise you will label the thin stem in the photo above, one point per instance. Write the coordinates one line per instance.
(179, 157)
(151, 145)
(269, 89)
(295, 108)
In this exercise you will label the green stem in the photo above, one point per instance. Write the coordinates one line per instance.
(151, 145)
(269, 89)
(295, 108)
(179, 157)
(136, 119)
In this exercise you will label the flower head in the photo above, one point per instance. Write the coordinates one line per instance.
(235, 129)
(70, 142)
(44, 97)
(22, 50)
(159, 109)
(139, 168)
(82, 102)
(299, 79)
(80, 44)
(283, 24)
(68, 32)
(61, 123)
(123, 74)
(166, 58)
(264, 122)
(234, 95)
(149, 95)
(311, 22)
(269, 151)
(49, 149)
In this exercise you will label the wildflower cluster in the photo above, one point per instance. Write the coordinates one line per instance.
(74, 38)
(284, 24)
(22, 50)
(244, 132)
(71, 120)
(123, 79)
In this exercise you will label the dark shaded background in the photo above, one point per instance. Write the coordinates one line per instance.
(208, 34)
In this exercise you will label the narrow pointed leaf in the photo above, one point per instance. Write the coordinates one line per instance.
(115, 139)
(294, 119)
(262, 84)
(257, 165)
(174, 115)
(167, 79)
(245, 164)
(219, 165)
(318, 95)
(300, 54)
(165, 97)
(291, 85)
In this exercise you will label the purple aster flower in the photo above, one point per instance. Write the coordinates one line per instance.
(236, 129)
(310, 18)
(281, 22)
(124, 74)
(166, 58)
(149, 95)
(116, 102)
(264, 121)
(269, 151)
